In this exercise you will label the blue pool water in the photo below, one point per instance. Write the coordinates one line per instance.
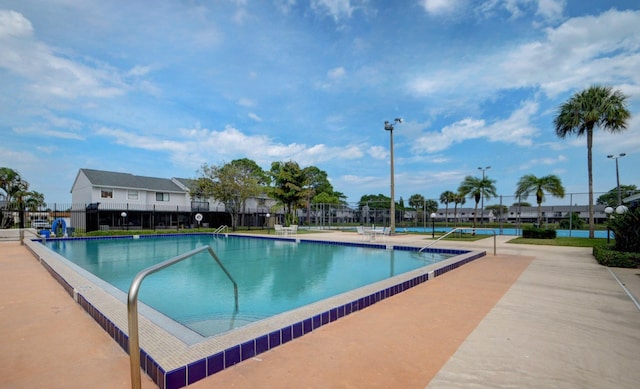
(514, 231)
(273, 276)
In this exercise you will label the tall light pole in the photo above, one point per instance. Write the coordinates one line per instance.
(482, 195)
(616, 157)
(392, 222)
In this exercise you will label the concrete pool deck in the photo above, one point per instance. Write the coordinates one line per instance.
(532, 316)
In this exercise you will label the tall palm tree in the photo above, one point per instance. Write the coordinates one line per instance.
(597, 106)
(445, 198)
(529, 183)
(458, 198)
(477, 188)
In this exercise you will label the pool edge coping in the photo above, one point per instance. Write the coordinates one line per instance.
(197, 361)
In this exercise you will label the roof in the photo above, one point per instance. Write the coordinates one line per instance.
(129, 181)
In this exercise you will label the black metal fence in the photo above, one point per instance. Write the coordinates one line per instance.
(123, 216)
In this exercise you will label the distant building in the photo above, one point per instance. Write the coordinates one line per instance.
(127, 201)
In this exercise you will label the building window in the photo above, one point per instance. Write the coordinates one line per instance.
(106, 193)
(160, 196)
(132, 195)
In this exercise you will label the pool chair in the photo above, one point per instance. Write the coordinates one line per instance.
(278, 228)
(293, 229)
(360, 230)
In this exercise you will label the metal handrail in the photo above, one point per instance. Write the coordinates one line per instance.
(220, 229)
(132, 306)
(460, 229)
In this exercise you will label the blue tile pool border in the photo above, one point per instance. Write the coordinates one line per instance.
(209, 365)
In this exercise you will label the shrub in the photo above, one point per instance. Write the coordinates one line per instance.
(539, 233)
(576, 222)
(607, 256)
(626, 228)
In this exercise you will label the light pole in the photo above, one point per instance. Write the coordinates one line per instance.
(616, 157)
(267, 219)
(482, 195)
(124, 219)
(620, 209)
(392, 222)
(433, 225)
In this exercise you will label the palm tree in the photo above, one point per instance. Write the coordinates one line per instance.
(477, 188)
(531, 184)
(597, 106)
(416, 201)
(458, 198)
(445, 198)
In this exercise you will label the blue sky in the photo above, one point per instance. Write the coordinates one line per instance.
(158, 88)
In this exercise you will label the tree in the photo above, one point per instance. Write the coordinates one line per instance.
(458, 198)
(529, 183)
(378, 201)
(447, 197)
(232, 184)
(611, 197)
(319, 189)
(595, 107)
(416, 201)
(17, 195)
(290, 187)
(431, 206)
(477, 188)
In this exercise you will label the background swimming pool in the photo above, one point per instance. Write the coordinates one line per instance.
(513, 231)
(273, 276)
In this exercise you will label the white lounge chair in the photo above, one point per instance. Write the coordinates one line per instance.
(278, 229)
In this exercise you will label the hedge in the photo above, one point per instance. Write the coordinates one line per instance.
(606, 256)
(538, 233)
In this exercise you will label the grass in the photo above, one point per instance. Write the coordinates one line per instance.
(572, 242)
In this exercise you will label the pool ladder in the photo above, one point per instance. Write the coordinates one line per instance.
(220, 229)
(132, 306)
(462, 229)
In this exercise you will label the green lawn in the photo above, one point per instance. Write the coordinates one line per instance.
(574, 242)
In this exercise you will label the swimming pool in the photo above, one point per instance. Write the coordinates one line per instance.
(515, 231)
(174, 356)
(273, 276)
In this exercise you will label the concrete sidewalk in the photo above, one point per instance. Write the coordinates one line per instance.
(566, 323)
(533, 316)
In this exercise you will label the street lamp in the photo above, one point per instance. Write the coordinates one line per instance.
(482, 195)
(268, 215)
(620, 209)
(124, 219)
(392, 223)
(616, 157)
(433, 225)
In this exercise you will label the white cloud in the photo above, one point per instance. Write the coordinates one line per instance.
(581, 51)
(193, 146)
(551, 9)
(378, 152)
(336, 73)
(246, 102)
(255, 117)
(548, 161)
(337, 9)
(516, 129)
(49, 73)
(14, 24)
(584, 50)
(441, 7)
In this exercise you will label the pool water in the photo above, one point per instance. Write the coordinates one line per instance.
(273, 276)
